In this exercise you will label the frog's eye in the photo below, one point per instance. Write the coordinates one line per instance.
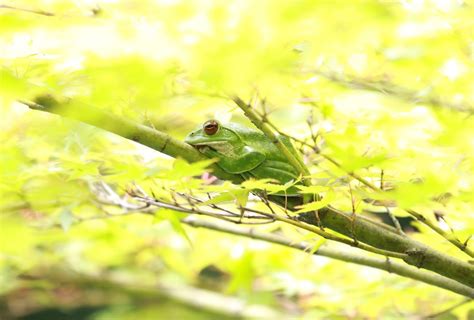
(211, 127)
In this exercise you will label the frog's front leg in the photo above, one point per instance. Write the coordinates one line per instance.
(240, 162)
(278, 170)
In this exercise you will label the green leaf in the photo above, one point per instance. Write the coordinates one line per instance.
(175, 219)
(316, 205)
(317, 245)
(223, 197)
(264, 184)
(312, 189)
(409, 194)
(240, 196)
(182, 169)
(225, 186)
(11, 87)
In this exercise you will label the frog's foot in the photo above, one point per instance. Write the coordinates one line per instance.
(209, 178)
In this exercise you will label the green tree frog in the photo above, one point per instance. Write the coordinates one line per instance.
(243, 151)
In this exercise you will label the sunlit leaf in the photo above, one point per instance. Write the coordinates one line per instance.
(10, 85)
(316, 205)
(182, 169)
(264, 184)
(311, 189)
(174, 219)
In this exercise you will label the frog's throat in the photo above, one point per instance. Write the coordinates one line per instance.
(222, 147)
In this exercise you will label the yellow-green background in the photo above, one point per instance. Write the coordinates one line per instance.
(167, 64)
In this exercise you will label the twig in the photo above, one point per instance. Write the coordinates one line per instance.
(385, 87)
(450, 237)
(277, 217)
(457, 305)
(395, 221)
(272, 216)
(159, 204)
(328, 251)
(40, 12)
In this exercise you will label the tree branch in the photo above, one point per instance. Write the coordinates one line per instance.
(364, 230)
(330, 251)
(335, 253)
(417, 252)
(127, 129)
(275, 217)
(199, 298)
(421, 218)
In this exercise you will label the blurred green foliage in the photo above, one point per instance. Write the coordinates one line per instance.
(168, 64)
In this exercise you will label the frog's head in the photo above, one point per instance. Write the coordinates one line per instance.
(215, 136)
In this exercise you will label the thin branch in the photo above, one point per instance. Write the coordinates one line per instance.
(457, 305)
(448, 236)
(329, 251)
(382, 237)
(395, 221)
(336, 238)
(272, 216)
(40, 12)
(335, 253)
(228, 216)
(387, 88)
(160, 204)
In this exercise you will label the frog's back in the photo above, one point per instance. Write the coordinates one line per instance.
(262, 143)
(275, 165)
